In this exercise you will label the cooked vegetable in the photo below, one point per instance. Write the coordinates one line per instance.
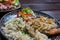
(25, 31)
(19, 22)
(26, 13)
(27, 10)
(15, 2)
(10, 1)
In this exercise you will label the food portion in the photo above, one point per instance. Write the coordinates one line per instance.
(15, 28)
(54, 31)
(42, 24)
(28, 27)
(9, 4)
(26, 13)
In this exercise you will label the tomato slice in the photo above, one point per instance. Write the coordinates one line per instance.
(28, 15)
(11, 1)
(27, 19)
(20, 12)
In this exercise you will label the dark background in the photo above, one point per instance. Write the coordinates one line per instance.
(50, 7)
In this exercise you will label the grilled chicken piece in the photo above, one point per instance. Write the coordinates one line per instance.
(54, 31)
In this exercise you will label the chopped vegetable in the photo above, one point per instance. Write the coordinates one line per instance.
(10, 1)
(19, 22)
(26, 13)
(15, 2)
(27, 10)
(19, 13)
(27, 19)
(25, 31)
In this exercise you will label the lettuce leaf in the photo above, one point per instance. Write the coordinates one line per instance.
(27, 10)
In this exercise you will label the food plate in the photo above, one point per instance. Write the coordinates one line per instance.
(7, 10)
(9, 5)
(13, 14)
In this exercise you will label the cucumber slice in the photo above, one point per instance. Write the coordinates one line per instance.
(16, 2)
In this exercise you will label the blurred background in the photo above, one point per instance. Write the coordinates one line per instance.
(41, 4)
(50, 7)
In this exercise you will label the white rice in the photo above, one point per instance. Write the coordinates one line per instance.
(11, 27)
